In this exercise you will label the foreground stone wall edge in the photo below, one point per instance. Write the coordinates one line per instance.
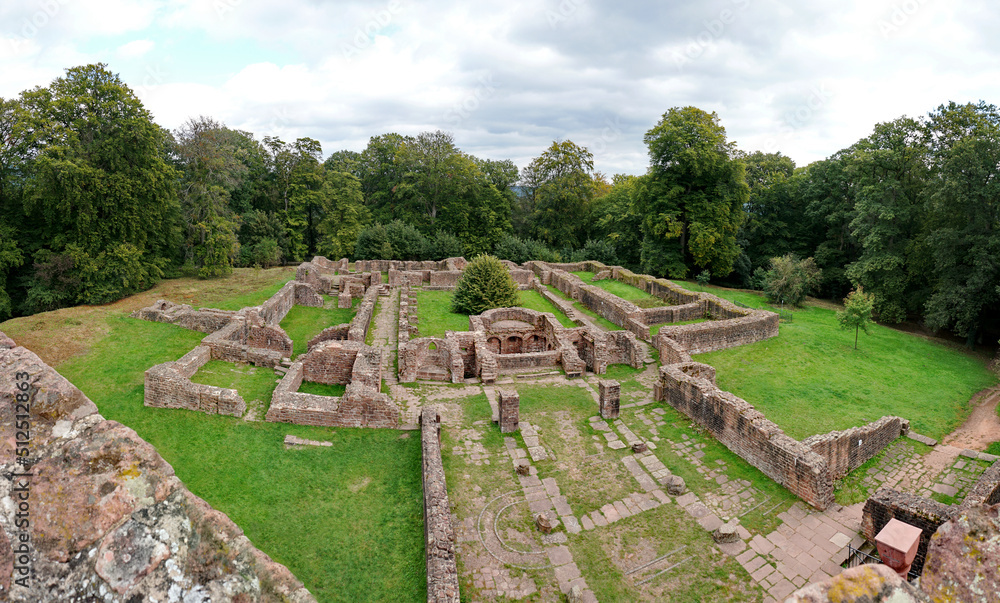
(442, 568)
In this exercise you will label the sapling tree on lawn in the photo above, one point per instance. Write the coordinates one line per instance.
(857, 312)
(486, 284)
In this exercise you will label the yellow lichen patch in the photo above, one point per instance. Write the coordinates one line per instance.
(851, 588)
(131, 471)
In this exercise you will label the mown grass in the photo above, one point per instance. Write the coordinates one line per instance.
(596, 318)
(810, 380)
(334, 390)
(704, 573)
(624, 291)
(346, 520)
(302, 323)
(252, 383)
(435, 316)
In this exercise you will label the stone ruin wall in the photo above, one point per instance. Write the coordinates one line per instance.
(169, 385)
(334, 333)
(439, 534)
(118, 524)
(925, 513)
(363, 317)
(342, 362)
(745, 431)
(249, 344)
(293, 293)
(713, 335)
(416, 354)
(847, 450)
(206, 320)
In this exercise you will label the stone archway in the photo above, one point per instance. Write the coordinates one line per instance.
(512, 345)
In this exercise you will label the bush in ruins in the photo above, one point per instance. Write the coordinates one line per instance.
(486, 284)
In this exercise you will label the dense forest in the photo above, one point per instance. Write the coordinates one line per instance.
(98, 202)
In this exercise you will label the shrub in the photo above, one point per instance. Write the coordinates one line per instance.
(790, 279)
(485, 284)
(703, 277)
(857, 312)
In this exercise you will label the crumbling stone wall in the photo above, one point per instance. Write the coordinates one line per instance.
(671, 352)
(610, 398)
(657, 287)
(622, 348)
(698, 338)
(118, 524)
(416, 356)
(847, 450)
(745, 431)
(924, 513)
(293, 293)
(439, 534)
(363, 317)
(335, 333)
(986, 491)
(362, 405)
(248, 340)
(445, 279)
(667, 314)
(206, 320)
(169, 385)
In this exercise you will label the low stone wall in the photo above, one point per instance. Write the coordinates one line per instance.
(169, 385)
(439, 534)
(745, 431)
(293, 293)
(698, 338)
(334, 333)
(508, 363)
(331, 362)
(671, 352)
(564, 306)
(290, 406)
(448, 278)
(847, 450)
(986, 491)
(522, 276)
(363, 317)
(247, 340)
(657, 287)
(408, 320)
(924, 513)
(408, 278)
(206, 320)
(622, 348)
(667, 314)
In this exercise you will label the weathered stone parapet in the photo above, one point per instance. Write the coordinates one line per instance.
(610, 398)
(924, 513)
(847, 450)
(510, 408)
(439, 534)
(363, 316)
(117, 523)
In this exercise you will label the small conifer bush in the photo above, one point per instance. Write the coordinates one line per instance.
(486, 284)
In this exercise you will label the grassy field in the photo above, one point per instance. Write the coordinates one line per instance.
(809, 380)
(303, 323)
(334, 390)
(624, 291)
(254, 384)
(436, 317)
(347, 520)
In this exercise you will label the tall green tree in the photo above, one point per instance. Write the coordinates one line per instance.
(889, 174)
(208, 155)
(559, 189)
(617, 218)
(693, 205)
(100, 189)
(828, 192)
(963, 217)
(343, 215)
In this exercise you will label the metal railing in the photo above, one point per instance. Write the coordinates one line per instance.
(856, 557)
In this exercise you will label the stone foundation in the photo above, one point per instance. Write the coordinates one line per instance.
(845, 451)
(169, 385)
(206, 320)
(439, 534)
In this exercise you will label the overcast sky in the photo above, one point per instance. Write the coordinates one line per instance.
(509, 77)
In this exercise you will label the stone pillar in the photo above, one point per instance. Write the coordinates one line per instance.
(510, 406)
(897, 545)
(610, 398)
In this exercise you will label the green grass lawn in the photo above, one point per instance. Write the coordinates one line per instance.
(809, 380)
(346, 520)
(253, 383)
(435, 315)
(334, 390)
(625, 291)
(594, 316)
(302, 323)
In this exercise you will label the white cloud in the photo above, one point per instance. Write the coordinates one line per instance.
(135, 49)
